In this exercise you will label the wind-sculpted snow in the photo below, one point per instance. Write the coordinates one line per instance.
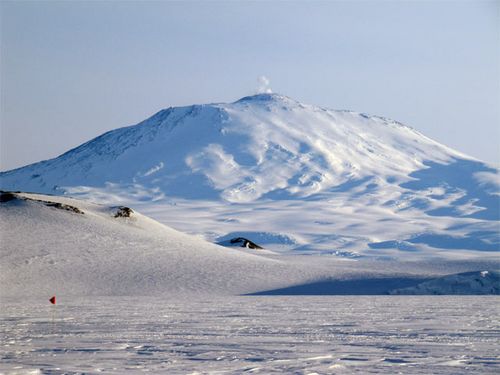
(478, 199)
(334, 181)
(252, 335)
(242, 150)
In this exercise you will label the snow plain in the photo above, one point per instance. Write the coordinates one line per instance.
(252, 335)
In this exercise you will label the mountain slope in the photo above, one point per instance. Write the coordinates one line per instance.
(55, 245)
(240, 152)
(331, 181)
(68, 247)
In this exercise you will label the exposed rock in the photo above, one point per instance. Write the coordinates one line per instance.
(243, 242)
(122, 211)
(6, 196)
(62, 206)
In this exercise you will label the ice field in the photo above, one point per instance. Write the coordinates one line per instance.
(252, 335)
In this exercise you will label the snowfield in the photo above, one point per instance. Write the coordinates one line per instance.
(56, 245)
(252, 335)
(47, 250)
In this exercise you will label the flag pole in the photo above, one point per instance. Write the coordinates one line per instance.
(52, 300)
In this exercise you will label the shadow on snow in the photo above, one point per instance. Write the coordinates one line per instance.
(369, 286)
(460, 175)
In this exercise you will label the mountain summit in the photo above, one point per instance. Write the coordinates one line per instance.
(240, 152)
(339, 171)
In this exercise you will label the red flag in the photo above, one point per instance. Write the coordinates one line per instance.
(53, 300)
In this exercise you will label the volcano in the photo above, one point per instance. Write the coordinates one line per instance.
(288, 176)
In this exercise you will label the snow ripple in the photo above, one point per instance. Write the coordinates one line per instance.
(390, 334)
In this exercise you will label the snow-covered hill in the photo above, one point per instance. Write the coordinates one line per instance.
(53, 245)
(304, 177)
(56, 245)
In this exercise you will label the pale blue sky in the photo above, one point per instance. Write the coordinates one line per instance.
(72, 70)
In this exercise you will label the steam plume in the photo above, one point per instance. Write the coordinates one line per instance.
(264, 85)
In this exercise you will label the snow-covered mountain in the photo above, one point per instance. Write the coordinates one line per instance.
(296, 176)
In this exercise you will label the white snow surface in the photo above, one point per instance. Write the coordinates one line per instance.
(47, 248)
(244, 150)
(252, 335)
(336, 182)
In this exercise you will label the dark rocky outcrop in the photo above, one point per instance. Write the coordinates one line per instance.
(62, 206)
(8, 196)
(122, 211)
(243, 242)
